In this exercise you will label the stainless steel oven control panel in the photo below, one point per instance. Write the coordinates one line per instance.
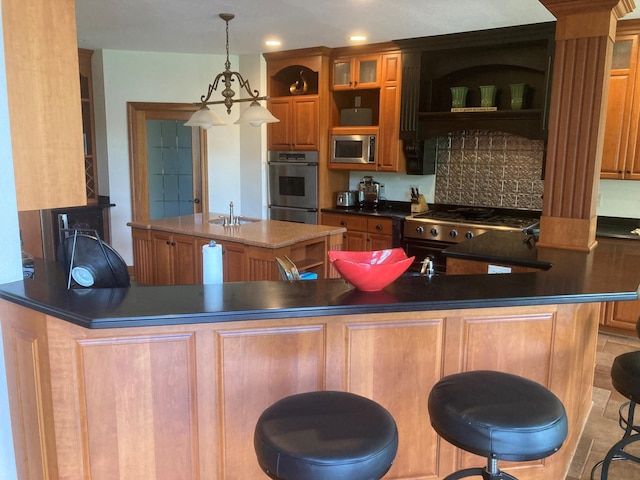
(442, 232)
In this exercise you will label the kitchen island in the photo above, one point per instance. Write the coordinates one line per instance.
(168, 251)
(168, 382)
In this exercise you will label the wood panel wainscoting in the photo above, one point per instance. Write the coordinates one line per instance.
(181, 401)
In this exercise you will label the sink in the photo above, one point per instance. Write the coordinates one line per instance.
(240, 221)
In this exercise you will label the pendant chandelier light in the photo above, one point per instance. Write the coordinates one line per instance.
(255, 115)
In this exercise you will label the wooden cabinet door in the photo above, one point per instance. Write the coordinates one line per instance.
(234, 262)
(298, 126)
(304, 124)
(175, 259)
(379, 242)
(366, 71)
(623, 315)
(163, 258)
(185, 260)
(279, 133)
(388, 147)
(362, 71)
(342, 73)
(616, 147)
(355, 241)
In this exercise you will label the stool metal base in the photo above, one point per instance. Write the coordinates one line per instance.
(631, 435)
(491, 472)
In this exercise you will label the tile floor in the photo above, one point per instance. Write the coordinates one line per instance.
(602, 429)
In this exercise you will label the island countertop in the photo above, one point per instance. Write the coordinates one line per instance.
(201, 362)
(606, 274)
(259, 233)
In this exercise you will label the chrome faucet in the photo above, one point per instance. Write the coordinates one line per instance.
(232, 220)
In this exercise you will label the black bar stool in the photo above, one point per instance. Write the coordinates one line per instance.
(325, 435)
(625, 376)
(499, 416)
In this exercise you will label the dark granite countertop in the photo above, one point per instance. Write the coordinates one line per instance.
(611, 272)
(607, 259)
(503, 248)
(387, 208)
(617, 227)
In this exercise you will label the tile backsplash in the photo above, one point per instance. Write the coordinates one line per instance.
(491, 169)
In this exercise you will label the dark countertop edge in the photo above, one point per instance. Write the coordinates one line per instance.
(314, 311)
(602, 275)
(208, 317)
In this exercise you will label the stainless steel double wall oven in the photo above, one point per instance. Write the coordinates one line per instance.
(293, 186)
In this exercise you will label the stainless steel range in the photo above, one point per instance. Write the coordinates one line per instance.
(428, 234)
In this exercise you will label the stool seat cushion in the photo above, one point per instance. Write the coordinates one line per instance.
(326, 435)
(625, 375)
(498, 415)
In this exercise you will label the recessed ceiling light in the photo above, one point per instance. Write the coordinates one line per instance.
(357, 38)
(273, 43)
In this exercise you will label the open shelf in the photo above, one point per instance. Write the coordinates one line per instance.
(527, 123)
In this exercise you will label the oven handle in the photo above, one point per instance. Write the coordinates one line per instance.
(294, 164)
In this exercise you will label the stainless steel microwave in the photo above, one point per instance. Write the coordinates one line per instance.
(358, 149)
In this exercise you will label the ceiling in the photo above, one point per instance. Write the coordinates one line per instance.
(193, 26)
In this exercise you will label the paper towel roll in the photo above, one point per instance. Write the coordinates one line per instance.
(212, 263)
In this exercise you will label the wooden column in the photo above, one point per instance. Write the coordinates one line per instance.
(585, 33)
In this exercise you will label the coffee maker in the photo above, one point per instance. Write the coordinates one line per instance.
(368, 193)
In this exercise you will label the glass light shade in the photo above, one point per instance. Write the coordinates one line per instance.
(204, 118)
(256, 115)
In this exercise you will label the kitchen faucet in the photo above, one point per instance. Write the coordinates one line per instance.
(231, 220)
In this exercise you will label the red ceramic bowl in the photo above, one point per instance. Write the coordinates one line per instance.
(370, 271)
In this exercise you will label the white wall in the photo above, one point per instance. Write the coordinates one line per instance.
(235, 153)
(253, 150)
(10, 260)
(619, 198)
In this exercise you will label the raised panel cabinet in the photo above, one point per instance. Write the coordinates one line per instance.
(176, 259)
(364, 233)
(390, 156)
(298, 125)
(382, 97)
(620, 135)
(122, 403)
(622, 317)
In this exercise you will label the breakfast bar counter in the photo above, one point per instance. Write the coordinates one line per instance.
(124, 383)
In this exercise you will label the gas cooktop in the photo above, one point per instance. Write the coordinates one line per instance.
(480, 216)
(454, 223)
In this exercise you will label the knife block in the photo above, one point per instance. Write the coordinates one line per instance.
(420, 206)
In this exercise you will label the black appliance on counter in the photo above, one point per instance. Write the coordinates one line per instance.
(428, 234)
(57, 223)
(293, 186)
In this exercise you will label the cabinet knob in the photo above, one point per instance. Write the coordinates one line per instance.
(173, 244)
(379, 227)
(343, 223)
(168, 242)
